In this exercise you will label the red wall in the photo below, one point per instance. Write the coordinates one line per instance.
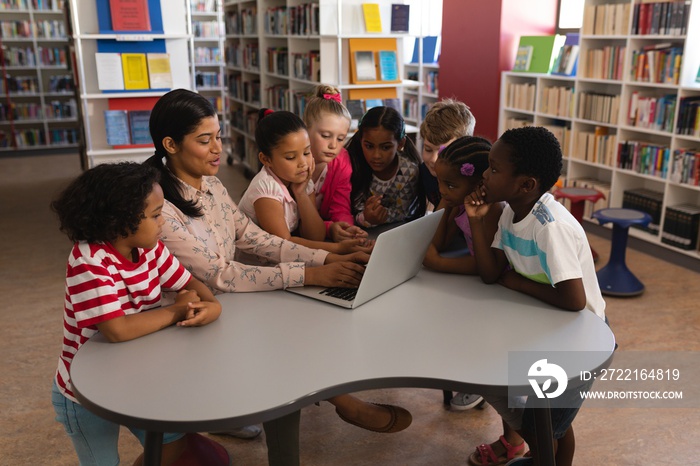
(479, 40)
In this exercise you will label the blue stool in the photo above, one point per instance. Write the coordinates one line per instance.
(615, 279)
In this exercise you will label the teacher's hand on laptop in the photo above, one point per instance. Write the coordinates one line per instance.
(340, 270)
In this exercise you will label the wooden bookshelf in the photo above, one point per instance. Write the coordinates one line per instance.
(595, 132)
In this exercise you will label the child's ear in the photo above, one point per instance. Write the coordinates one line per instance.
(402, 143)
(264, 159)
(169, 145)
(529, 184)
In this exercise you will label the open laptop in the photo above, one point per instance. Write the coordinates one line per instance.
(397, 256)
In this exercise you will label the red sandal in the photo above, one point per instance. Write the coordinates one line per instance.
(485, 456)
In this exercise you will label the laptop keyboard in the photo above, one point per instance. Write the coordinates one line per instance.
(347, 294)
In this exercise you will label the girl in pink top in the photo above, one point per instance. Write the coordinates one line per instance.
(328, 121)
(281, 199)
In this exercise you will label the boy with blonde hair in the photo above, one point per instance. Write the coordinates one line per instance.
(445, 121)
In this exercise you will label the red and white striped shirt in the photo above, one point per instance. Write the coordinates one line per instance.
(102, 285)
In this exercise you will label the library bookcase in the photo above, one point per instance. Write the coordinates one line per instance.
(622, 124)
(38, 107)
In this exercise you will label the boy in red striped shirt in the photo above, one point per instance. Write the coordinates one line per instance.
(116, 270)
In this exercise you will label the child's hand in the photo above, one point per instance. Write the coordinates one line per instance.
(299, 189)
(343, 230)
(348, 246)
(200, 313)
(475, 204)
(375, 213)
(186, 296)
(344, 274)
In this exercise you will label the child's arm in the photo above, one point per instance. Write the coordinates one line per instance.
(190, 309)
(270, 215)
(569, 295)
(490, 262)
(311, 224)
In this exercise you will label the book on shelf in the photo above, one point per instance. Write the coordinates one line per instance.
(431, 49)
(545, 50)
(117, 127)
(130, 15)
(645, 200)
(138, 124)
(373, 20)
(681, 224)
(388, 65)
(371, 103)
(399, 17)
(523, 58)
(566, 62)
(135, 71)
(159, 73)
(394, 103)
(356, 107)
(110, 74)
(365, 69)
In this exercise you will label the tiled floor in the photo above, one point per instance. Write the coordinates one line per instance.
(32, 261)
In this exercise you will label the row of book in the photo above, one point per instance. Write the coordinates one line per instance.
(661, 18)
(246, 56)
(411, 109)
(563, 134)
(19, 85)
(204, 79)
(301, 20)
(652, 112)
(133, 71)
(598, 107)
(681, 226)
(644, 157)
(660, 63)
(278, 60)
(244, 121)
(243, 21)
(246, 91)
(688, 122)
(207, 56)
(17, 111)
(595, 146)
(686, 167)
(210, 29)
(203, 6)
(557, 101)
(127, 127)
(520, 96)
(645, 200)
(52, 5)
(40, 29)
(25, 56)
(431, 81)
(605, 63)
(307, 65)
(607, 19)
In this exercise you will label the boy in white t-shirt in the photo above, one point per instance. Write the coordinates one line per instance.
(548, 254)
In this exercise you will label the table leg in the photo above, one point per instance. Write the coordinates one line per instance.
(153, 449)
(544, 433)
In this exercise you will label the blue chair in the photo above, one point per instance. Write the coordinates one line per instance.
(615, 279)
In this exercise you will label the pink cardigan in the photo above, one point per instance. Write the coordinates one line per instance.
(335, 205)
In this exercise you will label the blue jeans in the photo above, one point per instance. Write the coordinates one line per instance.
(95, 439)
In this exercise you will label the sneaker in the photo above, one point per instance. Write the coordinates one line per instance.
(247, 432)
(464, 401)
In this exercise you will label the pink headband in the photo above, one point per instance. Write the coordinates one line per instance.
(335, 97)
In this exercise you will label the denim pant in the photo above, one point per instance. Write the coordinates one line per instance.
(95, 439)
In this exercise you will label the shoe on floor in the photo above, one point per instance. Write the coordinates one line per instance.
(247, 432)
(464, 401)
(400, 420)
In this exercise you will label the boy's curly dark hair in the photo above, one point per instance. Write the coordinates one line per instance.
(535, 151)
(105, 202)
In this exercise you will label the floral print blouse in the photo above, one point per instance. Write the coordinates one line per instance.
(207, 245)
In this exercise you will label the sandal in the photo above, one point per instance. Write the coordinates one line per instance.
(485, 456)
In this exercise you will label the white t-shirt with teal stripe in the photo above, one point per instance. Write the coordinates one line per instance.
(550, 246)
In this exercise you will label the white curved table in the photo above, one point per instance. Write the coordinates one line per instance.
(272, 353)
